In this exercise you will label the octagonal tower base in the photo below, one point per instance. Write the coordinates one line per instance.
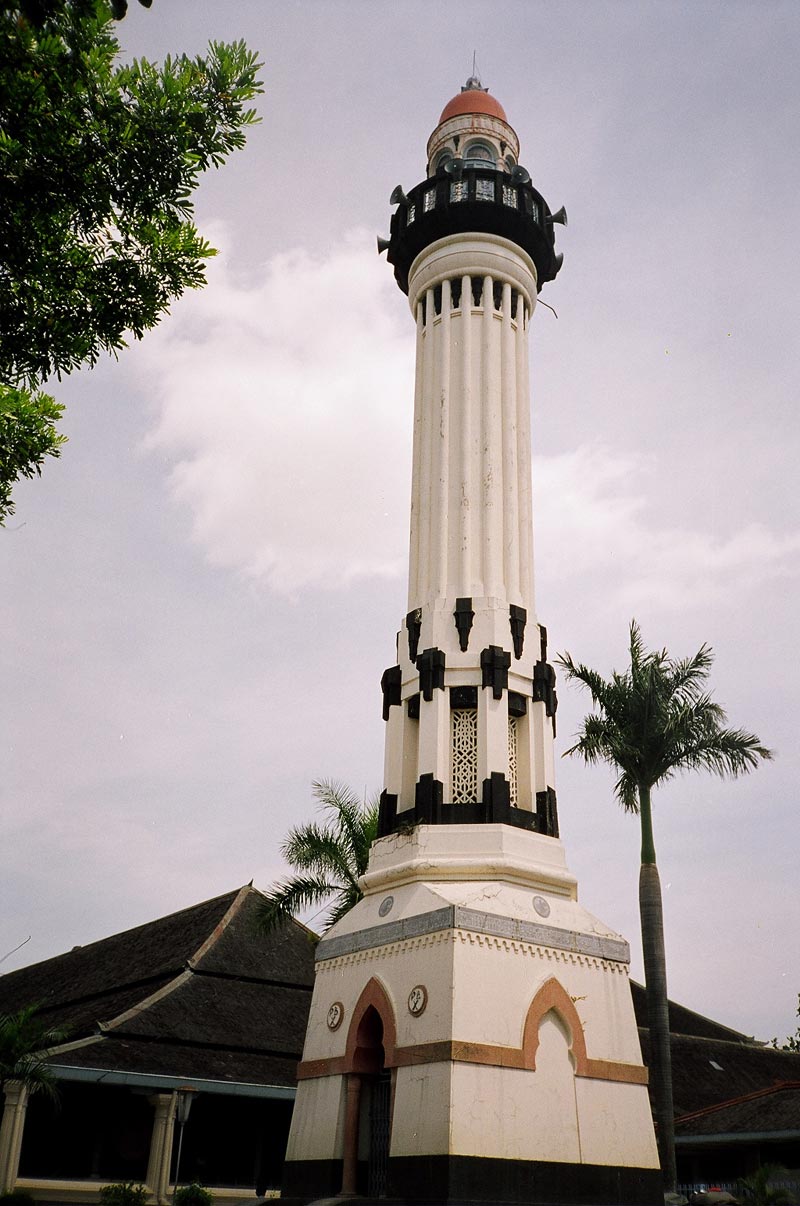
(472, 1036)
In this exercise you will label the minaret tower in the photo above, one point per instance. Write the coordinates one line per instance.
(470, 706)
(471, 1035)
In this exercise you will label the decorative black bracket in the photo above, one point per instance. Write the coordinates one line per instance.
(543, 642)
(412, 706)
(414, 628)
(391, 683)
(517, 618)
(463, 697)
(463, 616)
(544, 684)
(547, 813)
(517, 704)
(428, 797)
(430, 665)
(387, 813)
(496, 798)
(494, 668)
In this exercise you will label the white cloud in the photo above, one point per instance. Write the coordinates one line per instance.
(594, 523)
(288, 406)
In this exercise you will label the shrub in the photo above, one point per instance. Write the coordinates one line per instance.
(125, 1193)
(193, 1195)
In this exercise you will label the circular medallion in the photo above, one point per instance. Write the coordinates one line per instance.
(335, 1015)
(417, 1000)
(386, 905)
(541, 906)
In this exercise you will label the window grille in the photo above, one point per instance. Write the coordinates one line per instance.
(429, 201)
(509, 196)
(484, 190)
(464, 728)
(458, 190)
(412, 213)
(512, 762)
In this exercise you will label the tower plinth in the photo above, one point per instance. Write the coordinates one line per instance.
(472, 1035)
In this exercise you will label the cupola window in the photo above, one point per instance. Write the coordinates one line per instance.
(444, 158)
(479, 154)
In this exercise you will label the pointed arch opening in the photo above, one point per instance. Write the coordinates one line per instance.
(369, 1057)
(552, 997)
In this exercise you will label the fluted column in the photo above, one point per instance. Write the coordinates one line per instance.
(158, 1163)
(11, 1129)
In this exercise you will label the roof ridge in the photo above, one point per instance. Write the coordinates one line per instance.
(778, 1087)
(743, 1040)
(236, 892)
(139, 1008)
(189, 969)
(219, 928)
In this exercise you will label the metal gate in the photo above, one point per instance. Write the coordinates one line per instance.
(379, 1125)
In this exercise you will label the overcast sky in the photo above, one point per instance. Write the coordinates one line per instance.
(199, 599)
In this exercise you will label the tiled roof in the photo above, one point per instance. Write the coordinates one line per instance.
(199, 993)
(685, 1021)
(140, 959)
(773, 1110)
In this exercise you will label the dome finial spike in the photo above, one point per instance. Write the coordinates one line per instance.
(474, 84)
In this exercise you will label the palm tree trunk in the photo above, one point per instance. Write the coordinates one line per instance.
(655, 972)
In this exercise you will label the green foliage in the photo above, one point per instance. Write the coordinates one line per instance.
(329, 858)
(27, 435)
(98, 165)
(656, 719)
(792, 1041)
(25, 1043)
(652, 721)
(193, 1195)
(758, 1190)
(123, 1193)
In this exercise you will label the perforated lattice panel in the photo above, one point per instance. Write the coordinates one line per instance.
(464, 722)
(512, 761)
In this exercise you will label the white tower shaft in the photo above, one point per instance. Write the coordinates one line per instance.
(471, 522)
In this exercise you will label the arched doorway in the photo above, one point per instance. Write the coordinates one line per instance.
(375, 1103)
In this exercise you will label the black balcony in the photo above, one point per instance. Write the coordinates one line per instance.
(479, 200)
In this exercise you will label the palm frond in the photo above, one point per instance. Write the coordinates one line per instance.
(289, 897)
(655, 719)
(330, 857)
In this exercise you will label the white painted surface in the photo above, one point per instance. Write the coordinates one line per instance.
(317, 1130)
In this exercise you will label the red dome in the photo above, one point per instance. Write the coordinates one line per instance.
(473, 100)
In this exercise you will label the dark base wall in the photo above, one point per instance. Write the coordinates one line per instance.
(453, 1180)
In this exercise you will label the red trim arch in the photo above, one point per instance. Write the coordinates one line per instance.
(373, 996)
(552, 997)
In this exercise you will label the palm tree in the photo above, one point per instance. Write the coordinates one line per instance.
(25, 1044)
(757, 1189)
(329, 858)
(652, 721)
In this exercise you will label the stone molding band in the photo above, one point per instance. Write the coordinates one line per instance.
(456, 917)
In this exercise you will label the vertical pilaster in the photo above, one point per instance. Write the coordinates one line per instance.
(427, 453)
(434, 737)
(439, 568)
(419, 405)
(492, 464)
(158, 1164)
(511, 482)
(492, 735)
(465, 560)
(11, 1129)
(524, 460)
